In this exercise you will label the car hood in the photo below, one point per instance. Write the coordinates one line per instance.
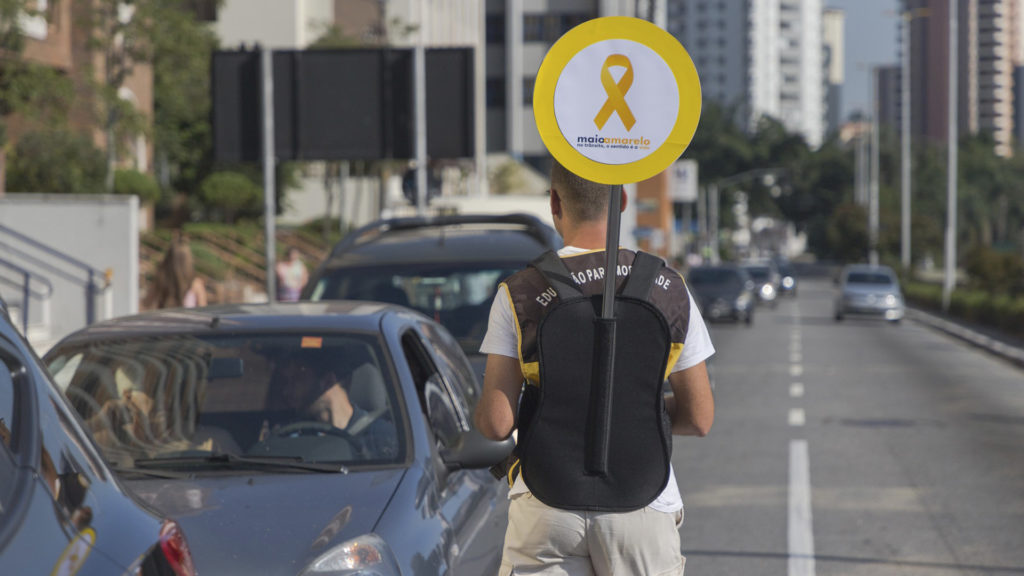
(269, 524)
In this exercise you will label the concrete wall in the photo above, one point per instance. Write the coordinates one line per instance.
(100, 231)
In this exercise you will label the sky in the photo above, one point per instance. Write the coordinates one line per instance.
(872, 28)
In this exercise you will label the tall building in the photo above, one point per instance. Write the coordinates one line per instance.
(988, 43)
(888, 96)
(519, 34)
(833, 40)
(764, 57)
(275, 24)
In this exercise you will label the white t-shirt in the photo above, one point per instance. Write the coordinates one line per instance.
(501, 339)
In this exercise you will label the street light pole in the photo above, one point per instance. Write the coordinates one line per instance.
(949, 280)
(873, 199)
(905, 145)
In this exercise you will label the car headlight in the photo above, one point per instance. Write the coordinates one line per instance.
(367, 555)
(767, 290)
(743, 300)
(891, 300)
(788, 282)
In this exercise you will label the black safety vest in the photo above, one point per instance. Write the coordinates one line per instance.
(564, 461)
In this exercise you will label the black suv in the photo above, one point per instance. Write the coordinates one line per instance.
(447, 267)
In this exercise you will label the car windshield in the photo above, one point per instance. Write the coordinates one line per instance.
(717, 277)
(188, 400)
(873, 278)
(456, 296)
(759, 273)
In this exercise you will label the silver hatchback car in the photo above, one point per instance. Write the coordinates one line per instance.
(871, 291)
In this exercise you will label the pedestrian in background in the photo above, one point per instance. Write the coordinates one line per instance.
(292, 276)
(176, 284)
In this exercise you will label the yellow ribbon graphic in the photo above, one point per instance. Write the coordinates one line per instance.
(616, 101)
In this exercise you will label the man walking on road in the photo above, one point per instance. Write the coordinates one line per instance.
(550, 531)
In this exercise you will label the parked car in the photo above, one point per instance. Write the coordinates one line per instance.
(236, 438)
(766, 280)
(724, 292)
(62, 509)
(871, 291)
(447, 267)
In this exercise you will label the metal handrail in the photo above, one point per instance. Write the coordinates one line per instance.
(26, 289)
(92, 287)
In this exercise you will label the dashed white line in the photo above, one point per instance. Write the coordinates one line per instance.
(796, 390)
(801, 531)
(796, 370)
(797, 417)
(796, 357)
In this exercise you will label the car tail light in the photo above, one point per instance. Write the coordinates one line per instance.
(175, 549)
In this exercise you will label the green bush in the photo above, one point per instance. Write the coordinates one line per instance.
(1003, 312)
(57, 162)
(232, 193)
(134, 182)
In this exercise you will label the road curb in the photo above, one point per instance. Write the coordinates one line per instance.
(994, 346)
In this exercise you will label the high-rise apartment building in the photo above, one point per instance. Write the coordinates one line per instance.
(888, 95)
(764, 57)
(989, 45)
(833, 40)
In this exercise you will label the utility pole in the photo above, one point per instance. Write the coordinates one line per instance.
(949, 280)
(905, 147)
(873, 199)
(420, 83)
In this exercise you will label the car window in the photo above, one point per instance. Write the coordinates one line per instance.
(7, 408)
(8, 413)
(874, 278)
(458, 296)
(319, 397)
(455, 368)
(434, 393)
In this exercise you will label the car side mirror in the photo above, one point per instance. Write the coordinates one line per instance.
(472, 450)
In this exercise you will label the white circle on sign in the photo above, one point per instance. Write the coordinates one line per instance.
(652, 99)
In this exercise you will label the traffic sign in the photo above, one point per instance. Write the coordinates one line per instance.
(617, 100)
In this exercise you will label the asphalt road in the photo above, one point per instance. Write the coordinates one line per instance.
(854, 448)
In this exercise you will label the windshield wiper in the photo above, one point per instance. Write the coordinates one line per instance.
(234, 460)
(167, 474)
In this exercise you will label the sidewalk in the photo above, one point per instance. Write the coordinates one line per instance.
(1005, 347)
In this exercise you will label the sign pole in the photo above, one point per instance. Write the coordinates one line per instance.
(269, 164)
(611, 252)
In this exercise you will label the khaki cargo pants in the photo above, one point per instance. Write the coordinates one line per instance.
(547, 541)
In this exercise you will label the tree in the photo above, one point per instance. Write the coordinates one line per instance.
(232, 193)
(136, 183)
(120, 33)
(33, 91)
(56, 161)
(182, 134)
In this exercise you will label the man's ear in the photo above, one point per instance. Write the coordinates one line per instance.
(622, 190)
(556, 204)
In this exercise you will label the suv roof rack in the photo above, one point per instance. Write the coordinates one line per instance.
(534, 226)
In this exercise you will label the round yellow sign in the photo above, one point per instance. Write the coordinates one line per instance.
(617, 100)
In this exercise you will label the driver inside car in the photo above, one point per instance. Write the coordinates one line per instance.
(352, 405)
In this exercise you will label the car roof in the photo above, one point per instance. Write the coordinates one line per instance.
(343, 315)
(459, 238)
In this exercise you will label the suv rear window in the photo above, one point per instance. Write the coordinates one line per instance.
(458, 296)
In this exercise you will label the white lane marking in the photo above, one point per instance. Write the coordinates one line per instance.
(796, 357)
(796, 370)
(801, 532)
(797, 417)
(796, 390)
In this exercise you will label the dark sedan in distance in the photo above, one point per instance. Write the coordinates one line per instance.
(723, 292)
(311, 438)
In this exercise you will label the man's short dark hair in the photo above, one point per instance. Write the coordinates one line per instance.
(582, 199)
